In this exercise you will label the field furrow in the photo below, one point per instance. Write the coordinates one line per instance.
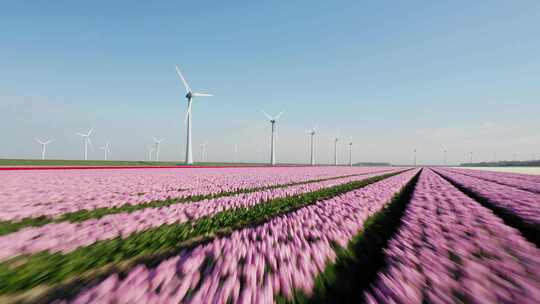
(257, 264)
(451, 249)
(26, 272)
(67, 236)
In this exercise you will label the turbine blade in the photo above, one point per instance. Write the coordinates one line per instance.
(267, 116)
(90, 131)
(90, 142)
(81, 134)
(154, 138)
(39, 141)
(279, 115)
(188, 89)
(201, 94)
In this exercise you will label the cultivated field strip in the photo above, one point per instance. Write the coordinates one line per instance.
(45, 270)
(67, 236)
(523, 204)
(257, 264)
(7, 227)
(53, 193)
(520, 176)
(450, 249)
(501, 179)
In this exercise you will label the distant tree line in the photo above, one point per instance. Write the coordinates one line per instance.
(372, 164)
(505, 163)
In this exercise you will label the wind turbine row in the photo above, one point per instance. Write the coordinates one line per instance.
(190, 94)
(86, 143)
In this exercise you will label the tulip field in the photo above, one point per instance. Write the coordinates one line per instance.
(269, 235)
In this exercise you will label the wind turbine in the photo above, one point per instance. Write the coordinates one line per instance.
(150, 151)
(273, 139)
(445, 151)
(157, 142)
(189, 95)
(106, 150)
(414, 157)
(43, 146)
(203, 151)
(471, 158)
(86, 139)
(312, 133)
(350, 152)
(336, 139)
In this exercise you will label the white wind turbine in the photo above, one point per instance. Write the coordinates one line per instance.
(350, 152)
(157, 142)
(203, 151)
(336, 139)
(86, 139)
(312, 133)
(150, 151)
(106, 149)
(273, 139)
(189, 95)
(43, 146)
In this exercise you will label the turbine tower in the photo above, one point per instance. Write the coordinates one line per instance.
(189, 95)
(203, 151)
(156, 143)
(312, 133)
(414, 157)
(150, 151)
(350, 152)
(86, 139)
(445, 151)
(273, 139)
(106, 150)
(336, 139)
(43, 146)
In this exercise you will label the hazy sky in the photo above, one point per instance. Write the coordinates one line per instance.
(395, 75)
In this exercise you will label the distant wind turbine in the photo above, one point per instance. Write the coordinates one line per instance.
(444, 152)
(87, 141)
(106, 150)
(273, 121)
(43, 146)
(150, 151)
(312, 133)
(350, 152)
(157, 142)
(189, 95)
(203, 151)
(336, 139)
(415, 157)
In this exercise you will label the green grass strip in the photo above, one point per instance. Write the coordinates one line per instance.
(26, 272)
(7, 227)
(356, 266)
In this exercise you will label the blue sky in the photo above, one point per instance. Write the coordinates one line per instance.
(395, 75)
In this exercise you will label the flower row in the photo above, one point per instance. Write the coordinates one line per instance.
(450, 249)
(523, 204)
(255, 264)
(27, 194)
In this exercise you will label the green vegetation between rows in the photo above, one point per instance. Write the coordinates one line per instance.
(7, 227)
(356, 267)
(26, 272)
